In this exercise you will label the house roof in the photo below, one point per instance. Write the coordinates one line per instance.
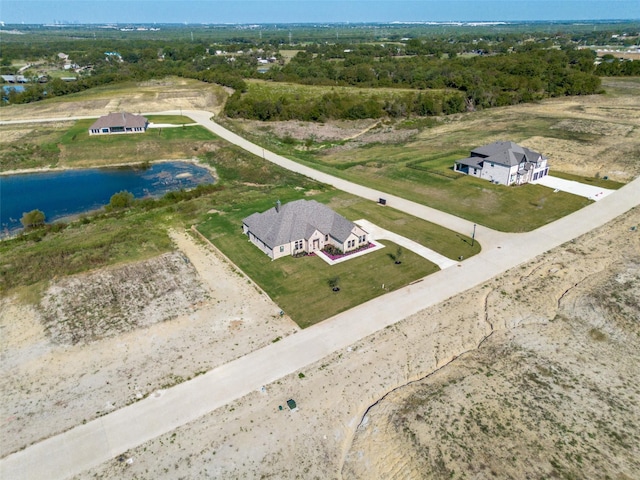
(506, 153)
(124, 119)
(297, 220)
(474, 162)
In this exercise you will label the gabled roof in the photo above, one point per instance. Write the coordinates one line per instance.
(506, 153)
(297, 220)
(124, 119)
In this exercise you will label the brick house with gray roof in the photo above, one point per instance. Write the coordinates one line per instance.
(116, 123)
(506, 163)
(302, 226)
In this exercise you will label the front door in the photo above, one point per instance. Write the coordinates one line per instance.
(316, 244)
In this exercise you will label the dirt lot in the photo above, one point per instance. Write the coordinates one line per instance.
(150, 96)
(551, 392)
(102, 340)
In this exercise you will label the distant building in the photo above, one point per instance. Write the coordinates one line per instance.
(15, 78)
(506, 163)
(302, 226)
(116, 123)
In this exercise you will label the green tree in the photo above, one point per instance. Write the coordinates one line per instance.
(398, 256)
(32, 219)
(120, 200)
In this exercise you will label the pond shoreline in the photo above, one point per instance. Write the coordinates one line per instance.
(23, 171)
(64, 194)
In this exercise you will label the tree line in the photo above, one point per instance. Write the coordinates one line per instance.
(449, 74)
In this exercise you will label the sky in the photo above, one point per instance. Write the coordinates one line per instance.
(310, 11)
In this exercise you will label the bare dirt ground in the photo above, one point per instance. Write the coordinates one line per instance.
(554, 399)
(102, 340)
(551, 392)
(150, 96)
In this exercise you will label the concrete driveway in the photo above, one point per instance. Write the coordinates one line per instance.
(576, 188)
(379, 233)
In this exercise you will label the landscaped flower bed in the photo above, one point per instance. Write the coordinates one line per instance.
(334, 256)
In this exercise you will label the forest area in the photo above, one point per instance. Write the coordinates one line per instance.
(424, 73)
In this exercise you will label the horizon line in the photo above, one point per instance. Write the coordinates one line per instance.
(390, 22)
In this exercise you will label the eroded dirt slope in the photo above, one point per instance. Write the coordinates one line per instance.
(546, 379)
(559, 400)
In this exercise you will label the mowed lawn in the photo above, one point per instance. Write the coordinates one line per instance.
(420, 168)
(78, 148)
(430, 180)
(300, 286)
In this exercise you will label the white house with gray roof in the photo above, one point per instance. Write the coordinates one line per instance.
(506, 163)
(302, 226)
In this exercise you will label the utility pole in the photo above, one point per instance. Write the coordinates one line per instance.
(473, 236)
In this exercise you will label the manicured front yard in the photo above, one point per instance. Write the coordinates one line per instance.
(300, 286)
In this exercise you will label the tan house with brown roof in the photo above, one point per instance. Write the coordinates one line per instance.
(302, 226)
(116, 123)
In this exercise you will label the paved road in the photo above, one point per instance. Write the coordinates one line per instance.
(486, 236)
(100, 440)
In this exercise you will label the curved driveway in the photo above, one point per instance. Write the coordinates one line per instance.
(104, 438)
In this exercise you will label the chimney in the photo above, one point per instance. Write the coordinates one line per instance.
(278, 206)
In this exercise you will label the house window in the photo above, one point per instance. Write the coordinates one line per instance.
(281, 248)
(493, 165)
(298, 245)
(326, 238)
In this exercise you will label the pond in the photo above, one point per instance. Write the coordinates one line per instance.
(71, 192)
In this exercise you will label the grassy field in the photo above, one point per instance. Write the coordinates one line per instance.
(246, 184)
(78, 147)
(585, 139)
(418, 169)
(82, 246)
(172, 119)
(72, 146)
(421, 170)
(261, 90)
(254, 186)
(411, 172)
(596, 182)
